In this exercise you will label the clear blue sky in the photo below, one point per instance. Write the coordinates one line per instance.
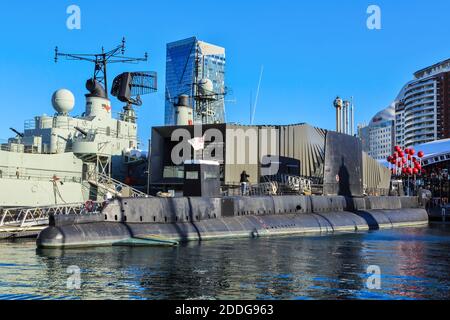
(311, 51)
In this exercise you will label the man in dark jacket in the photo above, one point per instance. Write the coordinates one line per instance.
(244, 183)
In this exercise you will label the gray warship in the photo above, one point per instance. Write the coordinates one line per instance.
(65, 159)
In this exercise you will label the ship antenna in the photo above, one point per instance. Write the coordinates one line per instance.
(101, 60)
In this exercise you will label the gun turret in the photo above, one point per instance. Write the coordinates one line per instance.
(17, 132)
(84, 133)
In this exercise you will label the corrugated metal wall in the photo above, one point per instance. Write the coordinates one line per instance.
(305, 143)
(302, 142)
(376, 177)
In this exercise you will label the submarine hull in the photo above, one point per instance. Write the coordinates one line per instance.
(157, 221)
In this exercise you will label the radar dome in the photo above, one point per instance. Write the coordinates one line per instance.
(206, 87)
(63, 101)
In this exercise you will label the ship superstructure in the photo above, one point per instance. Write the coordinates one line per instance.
(60, 159)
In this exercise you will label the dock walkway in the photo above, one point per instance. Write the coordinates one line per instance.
(28, 222)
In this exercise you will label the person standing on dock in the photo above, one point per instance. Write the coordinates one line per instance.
(244, 183)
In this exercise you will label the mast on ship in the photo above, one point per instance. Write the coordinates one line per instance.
(101, 61)
(127, 87)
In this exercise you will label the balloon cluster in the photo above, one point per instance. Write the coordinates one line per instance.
(404, 162)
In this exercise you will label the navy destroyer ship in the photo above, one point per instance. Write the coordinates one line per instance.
(66, 159)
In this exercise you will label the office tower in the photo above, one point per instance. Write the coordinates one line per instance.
(196, 69)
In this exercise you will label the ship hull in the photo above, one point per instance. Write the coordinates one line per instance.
(32, 180)
(106, 229)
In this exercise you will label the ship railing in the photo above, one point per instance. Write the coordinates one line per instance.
(92, 134)
(48, 175)
(19, 148)
(290, 184)
(256, 190)
(281, 184)
(30, 124)
(375, 191)
(39, 216)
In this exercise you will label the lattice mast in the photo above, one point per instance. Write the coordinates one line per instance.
(101, 61)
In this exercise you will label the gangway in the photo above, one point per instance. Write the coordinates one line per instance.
(115, 187)
(27, 221)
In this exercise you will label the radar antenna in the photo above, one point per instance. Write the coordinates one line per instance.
(101, 60)
(129, 86)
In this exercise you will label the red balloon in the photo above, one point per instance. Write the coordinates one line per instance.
(415, 171)
(404, 170)
(414, 159)
(418, 166)
(412, 152)
(407, 151)
(399, 165)
(393, 161)
(397, 148)
(409, 157)
(410, 170)
(401, 154)
(389, 159)
(421, 154)
(404, 160)
(395, 155)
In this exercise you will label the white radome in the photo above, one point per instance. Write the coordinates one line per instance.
(206, 86)
(63, 101)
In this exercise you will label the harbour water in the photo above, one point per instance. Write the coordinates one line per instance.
(414, 264)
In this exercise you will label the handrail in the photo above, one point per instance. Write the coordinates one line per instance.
(114, 186)
(36, 216)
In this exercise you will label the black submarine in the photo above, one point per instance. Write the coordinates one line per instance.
(203, 213)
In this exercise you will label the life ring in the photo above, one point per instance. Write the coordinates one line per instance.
(89, 206)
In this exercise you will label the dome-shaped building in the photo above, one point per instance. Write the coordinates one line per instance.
(378, 136)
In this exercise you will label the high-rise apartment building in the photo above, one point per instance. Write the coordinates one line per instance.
(189, 63)
(423, 107)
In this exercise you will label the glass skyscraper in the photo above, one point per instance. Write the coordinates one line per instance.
(188, 61)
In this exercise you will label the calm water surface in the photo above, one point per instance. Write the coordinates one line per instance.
(415, 264)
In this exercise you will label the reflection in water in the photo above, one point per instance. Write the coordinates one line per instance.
(414, 264)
